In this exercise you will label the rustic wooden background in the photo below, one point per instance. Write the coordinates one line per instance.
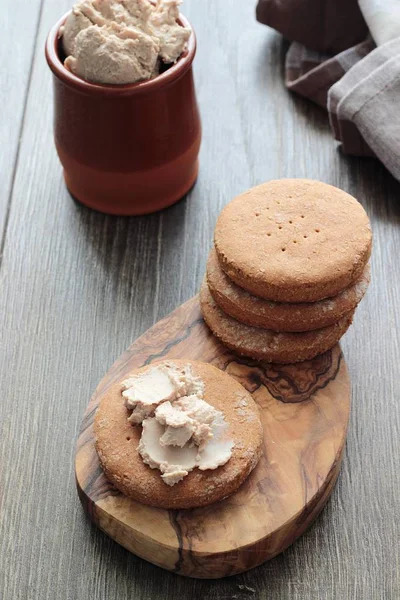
(78, 287)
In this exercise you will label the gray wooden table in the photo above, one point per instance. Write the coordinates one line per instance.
(78, 287)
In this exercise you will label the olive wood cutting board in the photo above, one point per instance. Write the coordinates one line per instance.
(305, 411)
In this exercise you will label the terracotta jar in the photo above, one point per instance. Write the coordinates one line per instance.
(126, 149)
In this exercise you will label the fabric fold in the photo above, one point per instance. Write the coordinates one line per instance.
(311, 74)
(328, 26)
(335, 63)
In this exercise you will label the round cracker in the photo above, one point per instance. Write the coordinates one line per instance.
(117, 441)
(264, 344)
(280, 316)
(293, 240)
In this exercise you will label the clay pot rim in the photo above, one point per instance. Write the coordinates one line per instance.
(172, 74)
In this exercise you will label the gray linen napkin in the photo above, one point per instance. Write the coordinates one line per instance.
(312, 74)
(383, 18)
(373, 107)
(359, 86)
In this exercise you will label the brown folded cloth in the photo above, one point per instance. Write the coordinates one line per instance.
(323, 25)
(359, 86)
(311, 74)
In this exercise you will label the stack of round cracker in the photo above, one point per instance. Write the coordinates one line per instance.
(289, 267)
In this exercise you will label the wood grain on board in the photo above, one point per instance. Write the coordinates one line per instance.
(77, 287)
(304, 409)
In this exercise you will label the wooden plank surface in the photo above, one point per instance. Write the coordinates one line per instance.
(78, 287)
(18, 45)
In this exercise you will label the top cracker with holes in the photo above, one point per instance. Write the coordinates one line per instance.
(293, 240)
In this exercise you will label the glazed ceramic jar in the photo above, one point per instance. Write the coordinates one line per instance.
(126, 149)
